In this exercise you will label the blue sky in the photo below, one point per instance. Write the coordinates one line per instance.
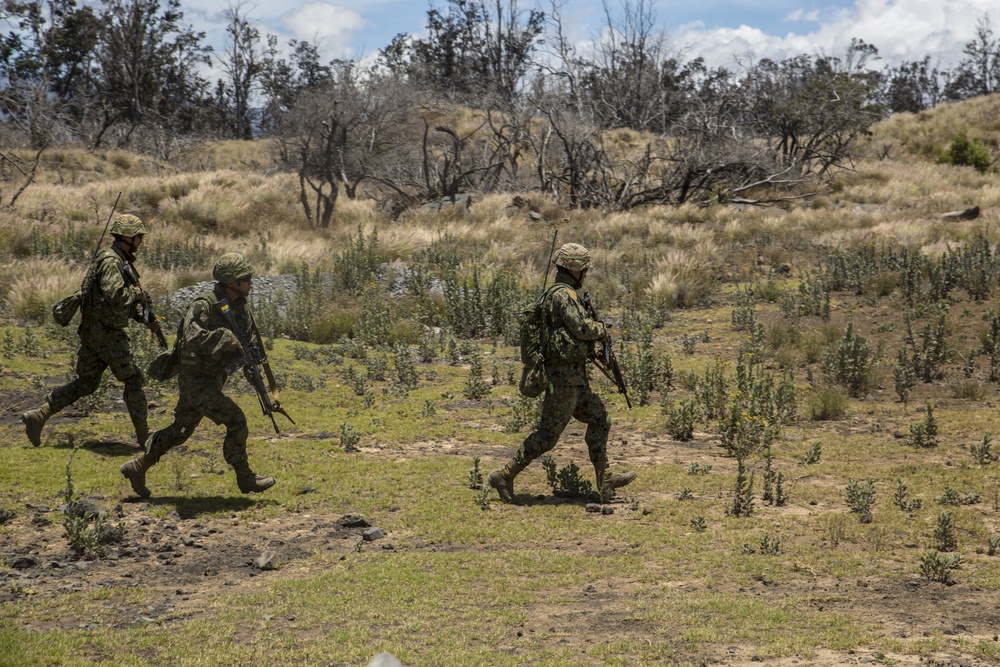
(714, 29)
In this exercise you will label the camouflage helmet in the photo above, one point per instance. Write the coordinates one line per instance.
(231, 268)
(127, 224)
(573, 256)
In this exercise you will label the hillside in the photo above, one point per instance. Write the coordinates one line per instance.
(815, 391)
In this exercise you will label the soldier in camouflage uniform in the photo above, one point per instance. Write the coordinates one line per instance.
(572, 335)
(206, 347)
(108, 301)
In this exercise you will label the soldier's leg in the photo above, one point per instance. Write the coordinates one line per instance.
(223, 410)
(118, 354)
(89, 368)
(187, 416)
(591, 411)
(557, 410)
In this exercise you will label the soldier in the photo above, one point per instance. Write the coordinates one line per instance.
(206, 347)
(571, 339)
(108, 300)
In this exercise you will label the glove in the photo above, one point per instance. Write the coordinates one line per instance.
(141, 297)
(232, 343)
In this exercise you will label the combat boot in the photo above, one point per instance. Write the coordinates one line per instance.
(608, 482)
(250, 482)
(503, 480)
(34, 420)
(135, 472)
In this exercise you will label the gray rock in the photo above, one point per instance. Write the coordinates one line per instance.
(373, 534)
(385, 660)
(24, 562)
(353, 521)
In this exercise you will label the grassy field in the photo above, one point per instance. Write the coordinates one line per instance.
(870, 533)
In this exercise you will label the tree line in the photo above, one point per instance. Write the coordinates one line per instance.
(548, 117)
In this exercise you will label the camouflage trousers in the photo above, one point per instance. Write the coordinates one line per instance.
(201, 396)
(101, 349)
(559, 406)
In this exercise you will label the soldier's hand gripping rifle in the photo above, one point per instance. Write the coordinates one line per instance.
(607, 361)
(148, 316)
(252, 360)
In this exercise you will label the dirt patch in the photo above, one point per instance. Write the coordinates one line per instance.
(181, 561)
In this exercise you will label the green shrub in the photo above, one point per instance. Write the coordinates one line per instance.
(944, 532)
(968, 152)
(681, 418)
(861, 498)
(937, 567)
(852, 363)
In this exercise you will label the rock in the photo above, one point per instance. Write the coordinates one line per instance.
(373, 534)
(353, 521)
(593, 507)
(457, 201)
(24, 562)
(392, 207)
(384, 660)
(84, 508)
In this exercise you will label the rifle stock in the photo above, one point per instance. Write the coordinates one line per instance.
(252, 360)
(607, 362)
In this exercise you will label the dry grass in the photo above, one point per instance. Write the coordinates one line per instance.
(925, 133)
(227, 194)
(33, 285)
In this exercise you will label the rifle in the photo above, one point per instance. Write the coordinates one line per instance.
(148, 316)
(251, 360)
(607, 361)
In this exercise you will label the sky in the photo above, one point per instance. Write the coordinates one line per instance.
(717, 30)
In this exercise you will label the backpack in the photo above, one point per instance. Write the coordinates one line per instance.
(64, 310)
(534, 335)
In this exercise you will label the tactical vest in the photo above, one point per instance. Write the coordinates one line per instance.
(93, 303)
(211, 362)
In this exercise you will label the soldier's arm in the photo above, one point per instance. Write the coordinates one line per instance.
(568, 309)
(112, 285)
(199, 338)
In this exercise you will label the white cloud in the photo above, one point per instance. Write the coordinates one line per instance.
(331, 27)
(900, 29)
(804, 16)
